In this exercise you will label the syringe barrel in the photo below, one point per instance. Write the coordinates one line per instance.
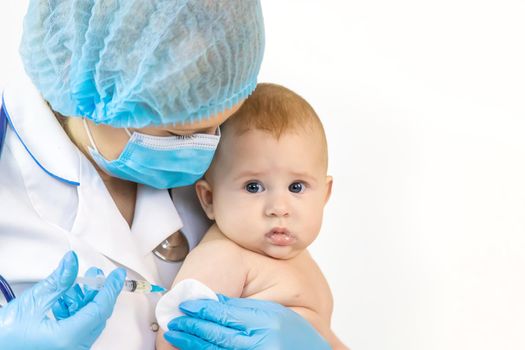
(134, 286)
(137, 286)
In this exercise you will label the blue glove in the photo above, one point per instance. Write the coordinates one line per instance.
(75, 298)
(24, 323)
(234, 323)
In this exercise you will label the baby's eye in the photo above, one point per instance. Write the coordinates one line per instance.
(254, 187)
(297, 187)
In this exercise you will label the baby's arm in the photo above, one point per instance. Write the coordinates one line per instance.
(216, 262)
(318, 311)
(322, 325)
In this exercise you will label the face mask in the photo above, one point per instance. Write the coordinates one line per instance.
(160, 161)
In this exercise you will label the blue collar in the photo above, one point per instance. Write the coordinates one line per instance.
(4, 119)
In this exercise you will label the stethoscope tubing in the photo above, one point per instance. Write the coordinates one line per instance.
(3, 124)
(6, 290)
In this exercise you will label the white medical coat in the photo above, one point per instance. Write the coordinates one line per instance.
(42, 216)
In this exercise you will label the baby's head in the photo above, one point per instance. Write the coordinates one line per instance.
(267, 185)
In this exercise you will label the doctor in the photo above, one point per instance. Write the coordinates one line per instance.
(122, 101)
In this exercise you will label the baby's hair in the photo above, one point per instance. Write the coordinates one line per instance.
(277, 110)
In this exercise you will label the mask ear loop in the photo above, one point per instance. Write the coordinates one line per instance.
(90, 137)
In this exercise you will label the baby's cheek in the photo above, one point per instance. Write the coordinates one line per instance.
(313, 223)
(231, 217)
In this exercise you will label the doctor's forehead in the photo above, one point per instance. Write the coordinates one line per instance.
(205, 126)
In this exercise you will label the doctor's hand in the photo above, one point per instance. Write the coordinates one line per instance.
(234, 323)
(75, 298)
(24, 323)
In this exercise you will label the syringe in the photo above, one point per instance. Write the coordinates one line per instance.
(134, 286)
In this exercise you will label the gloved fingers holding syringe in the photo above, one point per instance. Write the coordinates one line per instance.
(76, 297)
(25, 324)
(92, 281)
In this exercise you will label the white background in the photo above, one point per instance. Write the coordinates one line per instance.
(423, 103)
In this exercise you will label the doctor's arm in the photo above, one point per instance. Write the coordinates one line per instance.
(24, 323)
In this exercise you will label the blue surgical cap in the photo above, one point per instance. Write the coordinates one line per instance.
(135, 63)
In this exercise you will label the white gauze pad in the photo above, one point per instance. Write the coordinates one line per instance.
(188, 289)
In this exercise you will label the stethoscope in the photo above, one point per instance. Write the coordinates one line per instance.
(3, 125)
(6, 290)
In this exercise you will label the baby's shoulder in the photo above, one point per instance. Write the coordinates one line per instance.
(215, 245)
(217, 263)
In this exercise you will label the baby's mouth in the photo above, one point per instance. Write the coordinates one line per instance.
(280, 236)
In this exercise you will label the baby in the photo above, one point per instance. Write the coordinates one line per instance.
(266, 189)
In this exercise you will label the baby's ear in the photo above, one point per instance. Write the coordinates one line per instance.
(329, 182)
(205, 195)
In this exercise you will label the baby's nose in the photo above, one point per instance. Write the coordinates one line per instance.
(278, 206)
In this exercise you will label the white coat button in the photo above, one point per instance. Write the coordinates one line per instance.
(154, 327)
